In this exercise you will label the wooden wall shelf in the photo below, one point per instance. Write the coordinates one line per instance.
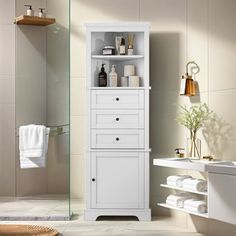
(34, 20)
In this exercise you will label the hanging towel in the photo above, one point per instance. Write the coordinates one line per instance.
(199, 185)
(33, 145)
(177, 200)
(195, 205)
(176, 180)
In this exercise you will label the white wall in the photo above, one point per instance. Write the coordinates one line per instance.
(182, 30)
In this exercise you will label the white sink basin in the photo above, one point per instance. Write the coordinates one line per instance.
(183, 163)
(186, 163)
(224, 167)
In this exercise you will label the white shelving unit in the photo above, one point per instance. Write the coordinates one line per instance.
(179, 163)
(118, 127)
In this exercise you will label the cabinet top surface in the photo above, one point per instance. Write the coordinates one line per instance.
(118, 24)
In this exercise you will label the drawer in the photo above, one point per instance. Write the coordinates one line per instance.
(119, 99)
(117, 119)
(117, 138)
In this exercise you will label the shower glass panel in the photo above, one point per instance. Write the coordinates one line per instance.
(36, 74)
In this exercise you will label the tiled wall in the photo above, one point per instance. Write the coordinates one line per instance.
(7, 98)
(182, 30)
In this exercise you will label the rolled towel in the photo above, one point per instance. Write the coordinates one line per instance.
(176, 180)
(195, 205)
(199, 185)
(177, 200)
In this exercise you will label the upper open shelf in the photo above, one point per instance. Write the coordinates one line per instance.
(117, 57)
(34, 20)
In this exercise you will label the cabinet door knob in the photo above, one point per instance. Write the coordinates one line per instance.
(117, 139)
(93, 179)
(117, 119)
(117, 99)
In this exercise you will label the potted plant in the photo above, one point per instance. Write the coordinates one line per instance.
(193, 119)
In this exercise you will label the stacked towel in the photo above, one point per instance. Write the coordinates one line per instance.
(195, 184)
(176, 180)
(177, 200)
(195, 205)
(33, 145)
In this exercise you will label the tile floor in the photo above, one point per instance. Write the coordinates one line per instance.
(114, 227)
(106, 226)
(43, 207)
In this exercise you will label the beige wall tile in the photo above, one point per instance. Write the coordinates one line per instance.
(223, 129)
(78, 135)
(97, 11)
(197, 39)
(222, 47)
(78, 51)
(77, 174)
(78, 93)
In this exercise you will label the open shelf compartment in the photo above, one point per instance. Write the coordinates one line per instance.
(184, 189)
(205, 215)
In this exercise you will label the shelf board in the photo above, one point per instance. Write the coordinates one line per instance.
(184, 189)
(117, 57)
(34, 20)
(205, 215)
(119, 88)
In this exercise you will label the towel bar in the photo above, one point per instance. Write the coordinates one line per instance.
(54, 130)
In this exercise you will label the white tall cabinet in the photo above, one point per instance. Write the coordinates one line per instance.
(118, 150)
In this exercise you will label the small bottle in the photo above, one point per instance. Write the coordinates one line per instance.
(122, 47)
(30, 11)
(113, 77)
(41, 13)
(102, 77)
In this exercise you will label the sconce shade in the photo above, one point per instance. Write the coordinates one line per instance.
(187, 86)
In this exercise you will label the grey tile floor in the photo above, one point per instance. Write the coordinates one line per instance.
(106, 226)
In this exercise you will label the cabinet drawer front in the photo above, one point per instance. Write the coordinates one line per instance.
(122, 99)
(117, 138)
(117, 180)
(113, 119)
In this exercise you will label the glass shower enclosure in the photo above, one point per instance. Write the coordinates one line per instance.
(35, 77)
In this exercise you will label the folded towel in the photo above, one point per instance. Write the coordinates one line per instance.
(176, 180)
(195, 205)
(177, 200)
(33, 145)
(195, 184)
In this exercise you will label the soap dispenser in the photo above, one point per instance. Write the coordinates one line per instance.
(30, 11)
(41, 13)
(102, 77)
(113, 77)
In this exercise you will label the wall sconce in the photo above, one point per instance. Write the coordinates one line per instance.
(188, 85)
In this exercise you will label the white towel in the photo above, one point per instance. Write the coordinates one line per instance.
(199, 185)
(176, 180)
(177, 200)
(195, 205)
(33, 145)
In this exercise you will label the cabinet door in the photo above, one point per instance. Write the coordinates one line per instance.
(222, 195)
(117, 180)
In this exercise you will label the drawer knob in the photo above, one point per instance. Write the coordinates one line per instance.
(117, 99)
(117, 139)
(93, 179)
(117, 119)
